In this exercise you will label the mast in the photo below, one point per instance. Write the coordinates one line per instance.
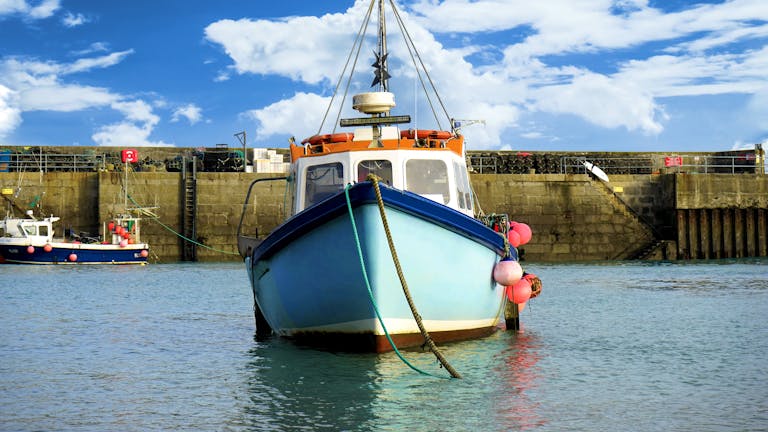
(381, 76)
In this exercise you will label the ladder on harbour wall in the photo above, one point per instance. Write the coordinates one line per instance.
(189, 209)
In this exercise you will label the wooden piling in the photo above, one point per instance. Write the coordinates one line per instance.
(704, 234)
(512, 316)
(728, 241)
(738, 231)
(750, 227)
(762, 231)
(717, 234)
(682, 235)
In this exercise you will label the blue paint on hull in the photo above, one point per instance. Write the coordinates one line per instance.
(306, 275)
(86, 254)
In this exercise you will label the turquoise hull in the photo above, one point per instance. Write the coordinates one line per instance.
(311, 287)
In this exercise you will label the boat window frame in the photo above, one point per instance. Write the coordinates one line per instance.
(463, 187)
(312, 198)
(431, 189)
(385, 180)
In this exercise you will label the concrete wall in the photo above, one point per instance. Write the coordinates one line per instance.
(573, 217)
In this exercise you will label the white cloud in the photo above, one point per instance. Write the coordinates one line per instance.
(191, 112)
(72, 20)
(126, 134)
(64, 98)
(603, 101)
(42, 9)
(10, 115)
(307, 49)
(31, 85)
(86, 64)
(280, 117)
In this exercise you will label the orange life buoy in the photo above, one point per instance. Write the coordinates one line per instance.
(329, 138)
(424, 133)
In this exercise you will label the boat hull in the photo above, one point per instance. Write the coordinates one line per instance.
(308, 281)
(16, 252)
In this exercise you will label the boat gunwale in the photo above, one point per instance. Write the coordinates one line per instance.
(362, 194)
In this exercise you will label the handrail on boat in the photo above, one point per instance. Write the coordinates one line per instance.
(246, 244)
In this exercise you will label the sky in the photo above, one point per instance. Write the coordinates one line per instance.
(552, 75)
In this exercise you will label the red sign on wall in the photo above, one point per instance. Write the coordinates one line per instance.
(130, 155)
(673, 161)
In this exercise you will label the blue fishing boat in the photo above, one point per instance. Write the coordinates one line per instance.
(382, 248)
(30, 240)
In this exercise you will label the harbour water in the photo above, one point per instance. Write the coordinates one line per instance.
(607, 347)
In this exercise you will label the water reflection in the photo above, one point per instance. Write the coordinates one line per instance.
(518, 369)
(294, 388)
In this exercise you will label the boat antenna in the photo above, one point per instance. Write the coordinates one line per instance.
(381, 76)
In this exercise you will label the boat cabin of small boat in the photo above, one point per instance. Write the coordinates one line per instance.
(35, 231)
(431, 167)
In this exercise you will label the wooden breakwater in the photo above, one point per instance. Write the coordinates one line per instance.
(672, 213)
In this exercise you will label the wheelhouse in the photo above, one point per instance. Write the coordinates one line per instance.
(437, 174)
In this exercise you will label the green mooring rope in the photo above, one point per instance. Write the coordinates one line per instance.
(157, 219)
(370, 292)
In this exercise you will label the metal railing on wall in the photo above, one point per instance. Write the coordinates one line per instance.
(703, 164)
(48, 162)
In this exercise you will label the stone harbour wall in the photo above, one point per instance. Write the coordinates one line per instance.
(574, 217)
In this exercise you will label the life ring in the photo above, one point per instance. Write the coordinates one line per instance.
(329, 138)
(423, 133)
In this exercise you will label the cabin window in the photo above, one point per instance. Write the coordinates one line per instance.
(29, 230)
(43, 230)
(381, 168)
(322, 182)
(463, 190)
(429, 178)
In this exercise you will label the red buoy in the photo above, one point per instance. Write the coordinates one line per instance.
(30, 249)
(514, 238)
(144, 253)
(520, 292)
(47, 248)
(524, 231)
(73, 257)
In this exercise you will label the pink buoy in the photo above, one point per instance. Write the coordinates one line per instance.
(73, 257)
(123, 243)
(514, 238)
(144, 253)
(507, 272)
(30, 249)
(520, 292)
(47, 248)
(524, 231)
